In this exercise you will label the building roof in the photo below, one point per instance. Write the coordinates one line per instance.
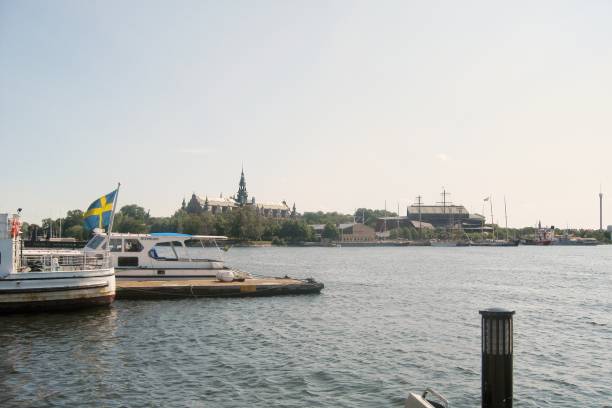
(273, 206)
(218, 201)
(438, 209)
(414, 223)
(421, 224)
(343, 226)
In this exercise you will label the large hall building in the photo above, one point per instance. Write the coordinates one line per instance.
(433, 216)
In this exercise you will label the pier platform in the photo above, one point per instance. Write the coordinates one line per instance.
(171, 289)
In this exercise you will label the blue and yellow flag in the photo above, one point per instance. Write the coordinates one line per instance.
(98, 215)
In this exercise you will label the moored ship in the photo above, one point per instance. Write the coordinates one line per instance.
(162, 255)
(44, 280)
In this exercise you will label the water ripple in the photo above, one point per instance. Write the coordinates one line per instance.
(391, 320)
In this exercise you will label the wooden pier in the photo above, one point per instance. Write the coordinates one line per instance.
(171, 289)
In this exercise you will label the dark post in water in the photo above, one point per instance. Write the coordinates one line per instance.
(497, 347)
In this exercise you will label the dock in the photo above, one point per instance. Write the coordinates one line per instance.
(197, 288)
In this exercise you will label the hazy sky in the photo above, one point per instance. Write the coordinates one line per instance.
(331, 105)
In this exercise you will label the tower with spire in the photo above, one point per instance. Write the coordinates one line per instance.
(243, 196)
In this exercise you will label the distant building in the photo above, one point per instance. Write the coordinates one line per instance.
(445, 216)
(384, 224)
(223, 205)
(281, 210)
(349, 232)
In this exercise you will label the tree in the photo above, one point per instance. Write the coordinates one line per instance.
(369, 217)
(331, 232)
(323, 218)
(192, 224)
(134, 211)
(246, 225)
(77, 232)
(296, 231)
(125, 223)
(271, 230)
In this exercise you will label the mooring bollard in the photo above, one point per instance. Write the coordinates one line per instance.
(497, 344)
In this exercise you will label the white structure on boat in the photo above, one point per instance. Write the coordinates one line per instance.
(46, 280)
(161, 255)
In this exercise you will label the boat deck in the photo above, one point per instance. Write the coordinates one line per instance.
(168, 289)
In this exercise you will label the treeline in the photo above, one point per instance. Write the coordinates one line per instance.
(241, 224)
(244, 224)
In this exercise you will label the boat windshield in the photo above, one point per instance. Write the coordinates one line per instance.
(191, 249)
(95, 242)
(200, 249)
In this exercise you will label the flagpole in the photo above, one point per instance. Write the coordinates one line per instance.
(110, 225)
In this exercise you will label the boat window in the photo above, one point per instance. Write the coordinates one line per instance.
(193, 243)
(132, 245)
(180, 251)
(115, 245)
(163, 251)
(95, 241)
(127, 261)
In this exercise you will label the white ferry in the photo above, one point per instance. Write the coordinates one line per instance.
(45, 280)
(158, 256)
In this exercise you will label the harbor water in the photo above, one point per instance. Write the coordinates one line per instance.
(389, 321)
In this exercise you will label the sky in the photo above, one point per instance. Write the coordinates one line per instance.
(333, 105)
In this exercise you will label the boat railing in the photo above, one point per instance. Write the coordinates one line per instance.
(57, 262)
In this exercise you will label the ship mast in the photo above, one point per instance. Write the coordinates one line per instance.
(419, 202)
(444, 194)
(492, 223)
(506, 215)
(398, 220)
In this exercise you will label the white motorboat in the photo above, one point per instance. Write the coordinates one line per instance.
(158, 256)
(44, 280)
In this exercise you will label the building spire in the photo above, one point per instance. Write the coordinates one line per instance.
(243, 196)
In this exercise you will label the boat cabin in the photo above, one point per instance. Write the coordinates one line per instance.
(159, 249)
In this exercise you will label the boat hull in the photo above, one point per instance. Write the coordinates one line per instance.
(163, 274)
(50, 291)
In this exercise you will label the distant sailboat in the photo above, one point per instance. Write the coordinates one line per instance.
(496, 242)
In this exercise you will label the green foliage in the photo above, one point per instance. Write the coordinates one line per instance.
(294, 231)
(135, 212)
(271, 231)
(77, 232)
(246, 225)
(325, 218)
(279, 242)
(331, 232)
(125, 223)
(131, 218)
(404, 233)
(369, 217)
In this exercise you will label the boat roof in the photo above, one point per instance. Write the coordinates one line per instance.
(171, 235)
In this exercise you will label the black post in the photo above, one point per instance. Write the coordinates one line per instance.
(497, 344)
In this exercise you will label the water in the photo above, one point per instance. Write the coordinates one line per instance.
(390, 320)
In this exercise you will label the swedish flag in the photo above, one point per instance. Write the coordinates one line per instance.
(98, 215)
